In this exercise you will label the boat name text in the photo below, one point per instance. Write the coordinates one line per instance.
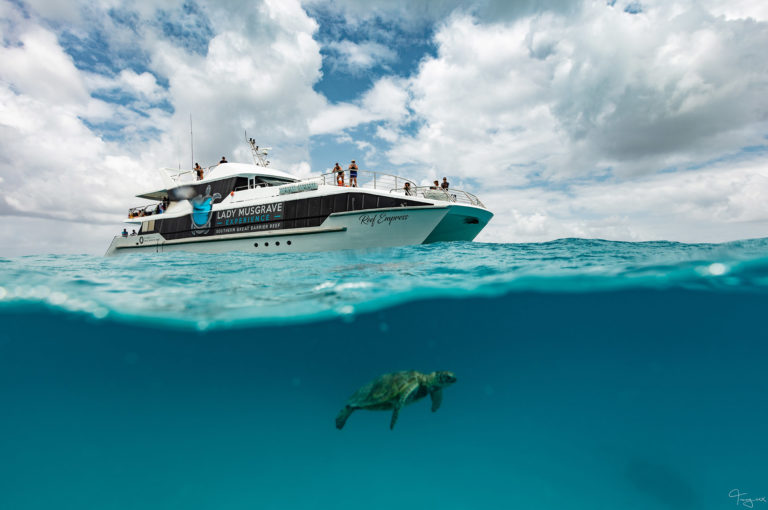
(251, 214)
(377, 219)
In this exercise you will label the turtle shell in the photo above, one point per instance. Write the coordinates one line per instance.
(384, 391)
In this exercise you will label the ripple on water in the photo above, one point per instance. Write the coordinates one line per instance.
(204, 291)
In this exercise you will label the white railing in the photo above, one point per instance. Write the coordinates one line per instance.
(396, 184)
(145, 210)
(365, 179)
(187, 176)
(456, 196)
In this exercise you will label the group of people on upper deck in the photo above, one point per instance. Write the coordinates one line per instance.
(440, 185)
(352, 174)
(353, 178)
(200, 171)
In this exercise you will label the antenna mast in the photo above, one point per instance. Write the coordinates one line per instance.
(191, 143)
(259, 153)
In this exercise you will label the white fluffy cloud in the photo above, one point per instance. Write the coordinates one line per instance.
(416, 13)
(357, 57)
(550, 97)
(723, 202)
(57, 159)
(257, 78)
(568, 118)
(385, 101)
(52, 164)
(600, 123)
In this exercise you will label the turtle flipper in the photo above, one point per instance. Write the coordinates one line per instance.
(341, 418)
(395, 413)
(437, 399)
(401, 402)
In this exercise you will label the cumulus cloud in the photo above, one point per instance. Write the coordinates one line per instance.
(723, 202)
(52, 163)
(587, 118)
(415, 13)
(550, 97)
(385, 101)
(255, 80)
(79, 138)
(648, 103)
(354, 58)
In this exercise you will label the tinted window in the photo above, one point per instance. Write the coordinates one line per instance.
(314, 207)
(301, 213)
(340, 203)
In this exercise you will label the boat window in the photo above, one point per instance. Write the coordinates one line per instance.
(273, 181)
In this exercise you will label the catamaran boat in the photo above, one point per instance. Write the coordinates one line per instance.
(253, 208)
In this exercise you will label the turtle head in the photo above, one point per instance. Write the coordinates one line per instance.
(444, 378)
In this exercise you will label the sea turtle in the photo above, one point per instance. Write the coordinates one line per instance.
(393, 391)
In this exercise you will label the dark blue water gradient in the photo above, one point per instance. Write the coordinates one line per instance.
(633, 398)
(591, 374)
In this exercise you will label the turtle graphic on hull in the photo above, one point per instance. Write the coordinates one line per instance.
(201, 211)
(395, 390)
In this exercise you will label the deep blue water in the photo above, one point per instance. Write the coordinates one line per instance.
(591, 374)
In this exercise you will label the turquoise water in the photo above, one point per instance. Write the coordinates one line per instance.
(591, 374)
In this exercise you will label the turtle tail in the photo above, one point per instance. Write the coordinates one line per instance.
(341, 418)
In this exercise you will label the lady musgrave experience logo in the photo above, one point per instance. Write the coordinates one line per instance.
(201, 211)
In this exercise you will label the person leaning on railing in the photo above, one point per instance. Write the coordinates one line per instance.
(408, 190)
(339, 174)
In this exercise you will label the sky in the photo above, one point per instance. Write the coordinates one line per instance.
(621, 120)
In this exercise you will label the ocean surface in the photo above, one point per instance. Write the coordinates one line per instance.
(591, 374)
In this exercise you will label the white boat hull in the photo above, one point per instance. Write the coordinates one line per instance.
(374, 228)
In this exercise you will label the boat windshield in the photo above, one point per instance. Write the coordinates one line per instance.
(273, 181)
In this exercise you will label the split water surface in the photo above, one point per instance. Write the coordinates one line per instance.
(591, 374)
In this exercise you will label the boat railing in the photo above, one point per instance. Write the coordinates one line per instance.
(146, 210)
(365, 179)
(456, 196)
(396, 184)
(187, 176)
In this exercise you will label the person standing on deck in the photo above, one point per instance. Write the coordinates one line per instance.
(339, 174)
(353, 174)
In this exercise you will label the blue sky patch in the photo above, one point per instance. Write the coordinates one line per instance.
(339, 82)
(118, 132)
(191, 28)
(93, 53)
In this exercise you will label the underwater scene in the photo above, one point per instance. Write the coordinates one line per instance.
(586, 374)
